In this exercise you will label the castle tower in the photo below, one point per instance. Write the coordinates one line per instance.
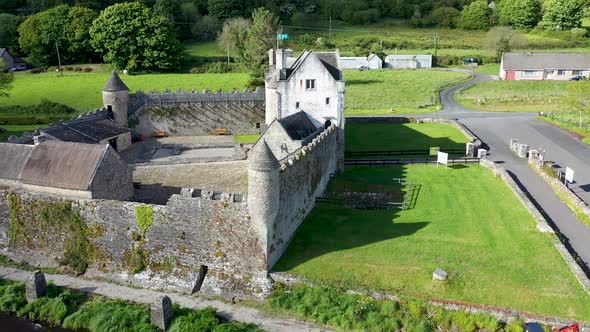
(270, 90)
(263, 194)
(115, 97)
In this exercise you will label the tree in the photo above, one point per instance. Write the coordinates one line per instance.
(6, 78)
(578, 99)
(261, 38)
(224, 9)
(9, 31)
(520, 14)
(476, 16)
(233, 37)
(206, 28)
(504, 39)
(130, 36)
(62, 25)
(562, 14)
(444, 17)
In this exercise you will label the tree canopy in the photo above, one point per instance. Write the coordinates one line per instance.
(6, 79)
(476, 16)
(130, 36)
(562, 14)
(504, 39)
(520, 14)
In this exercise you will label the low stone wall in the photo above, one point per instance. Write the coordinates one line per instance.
(542, 224)
(169, 247)
(192, 113)
(304, 176)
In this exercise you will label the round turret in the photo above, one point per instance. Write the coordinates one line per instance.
(115, 97)
(263, 194)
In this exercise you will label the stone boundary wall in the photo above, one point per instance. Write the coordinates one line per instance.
(503, 314)
(304, 176)
(542, 224)
(195, 113)
(197, 232)
(562, 189)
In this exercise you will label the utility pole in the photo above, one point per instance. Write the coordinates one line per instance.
(330, 30)
(228, 54)
(279, 31)
(58, 60)
(435, 44)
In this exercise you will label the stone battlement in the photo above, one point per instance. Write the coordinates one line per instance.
(317, 140)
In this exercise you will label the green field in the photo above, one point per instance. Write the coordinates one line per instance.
(82, 91)
(514, 96)
(204, 49)
(375, 92)
(488, 69)
(246, 138)
(410, 136)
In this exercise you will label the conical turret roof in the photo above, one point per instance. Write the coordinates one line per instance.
(262, 158)
(115, 83)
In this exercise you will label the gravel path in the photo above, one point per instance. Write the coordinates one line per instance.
(225, 310)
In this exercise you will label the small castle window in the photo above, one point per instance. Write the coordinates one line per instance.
(309, 84)
(297, 105)
(327, 101)
(257, 125)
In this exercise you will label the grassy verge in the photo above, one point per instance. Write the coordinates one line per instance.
(569, 126)
(74, 310)
(547, 171)
(409, 136)
(82, 91)
(246, 138)
(514, 96)
(463, 220)
(331, 306)
(488, 69)
(381, 92)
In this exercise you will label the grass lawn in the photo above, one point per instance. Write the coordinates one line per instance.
(488, 69)
(409, 136)
(16, 130)
(376, 92)
(82, 91)
(514, 96)
(464, 220)
(246, 138)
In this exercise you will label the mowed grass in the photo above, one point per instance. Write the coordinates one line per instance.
(380, 92)
(463, 220)
(514, 96)
(204, 50)
(408, 136)
(82, 91)
(246, 138)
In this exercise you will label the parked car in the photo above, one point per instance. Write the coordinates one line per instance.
(19, 68)
(578, 78)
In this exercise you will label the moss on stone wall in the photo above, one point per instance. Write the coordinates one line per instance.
(50, 225)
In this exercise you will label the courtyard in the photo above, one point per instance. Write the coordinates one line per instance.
(462, 219)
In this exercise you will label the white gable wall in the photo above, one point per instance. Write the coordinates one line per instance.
(312, 101)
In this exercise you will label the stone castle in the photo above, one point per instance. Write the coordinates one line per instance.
(69, 185)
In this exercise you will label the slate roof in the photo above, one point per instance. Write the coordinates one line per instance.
(12, 159)
(328, 59)
(115, 83)
(89, 129)
(63, 165)
(541, 61)
(298, 126)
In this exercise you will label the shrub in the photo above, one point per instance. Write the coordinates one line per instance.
(145, 217)
(78, 69)
(38, 70)
(579, 32)
(516, 326)
(54, 307)
(218, 68)
(12, 296)
(87, 69)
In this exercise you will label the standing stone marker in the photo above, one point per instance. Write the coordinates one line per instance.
(470, 150)
(36, 287)
(161, 312)
(522, 150)
(482, 153)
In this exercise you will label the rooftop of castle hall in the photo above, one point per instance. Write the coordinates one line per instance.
(90, 129)
(298, 126)
(328, 59)
(12, 160)
(115, 83)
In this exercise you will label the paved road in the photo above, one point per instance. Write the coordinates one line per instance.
(496, 130)
(138, 295)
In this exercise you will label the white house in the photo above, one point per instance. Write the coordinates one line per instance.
(370, 62)
(408, 61)
(311, 83)
(544, 66)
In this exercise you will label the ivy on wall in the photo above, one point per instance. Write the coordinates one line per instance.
(145, 217)
(43, 225)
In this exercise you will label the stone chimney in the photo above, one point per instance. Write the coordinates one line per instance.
(271, 57)
(281, 58)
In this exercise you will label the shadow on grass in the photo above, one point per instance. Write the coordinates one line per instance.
(333, 227)
(362, 82)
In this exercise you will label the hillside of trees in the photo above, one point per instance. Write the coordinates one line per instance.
(112, 30)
